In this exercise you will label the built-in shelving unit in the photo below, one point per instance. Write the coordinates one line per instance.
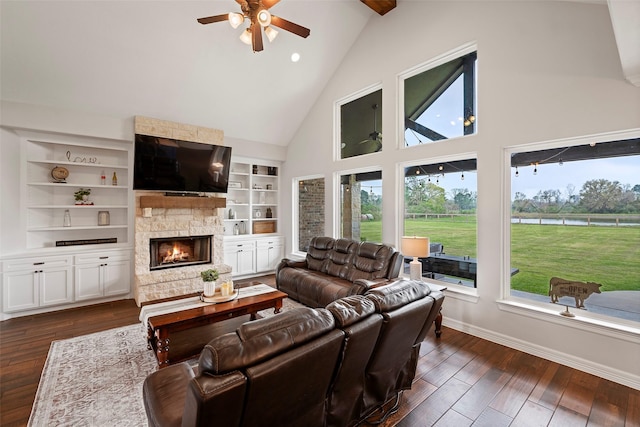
(91, 163)
(252, 245)
(252, 199)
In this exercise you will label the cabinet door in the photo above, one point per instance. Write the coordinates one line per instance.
(269, 252)
(88, 283)
(55, 286)
(116, 278)
(246, 263)
(276, 253)
(20, 291)
(231, 258)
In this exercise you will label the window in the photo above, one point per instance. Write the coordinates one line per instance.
(440, 103)
(361, 206)
(310, 211)
(361, 125)
(440, 201)
(575, 215)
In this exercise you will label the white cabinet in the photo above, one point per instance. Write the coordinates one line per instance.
(102, 274)
(269, 252)
(30, 283)
(248, 256)
(89, 163)
(240, 255)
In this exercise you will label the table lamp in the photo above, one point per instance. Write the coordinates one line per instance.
(416, 247)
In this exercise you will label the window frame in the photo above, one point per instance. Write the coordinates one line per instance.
(337, 119)
(337, 175)
(295, 214)
(451, 55)
(460, 291)
(584, 320)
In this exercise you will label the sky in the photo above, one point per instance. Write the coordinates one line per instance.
(625, 170)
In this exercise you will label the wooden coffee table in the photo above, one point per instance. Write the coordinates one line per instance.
(163, 328)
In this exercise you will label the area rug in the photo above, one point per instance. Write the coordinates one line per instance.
(95, 380)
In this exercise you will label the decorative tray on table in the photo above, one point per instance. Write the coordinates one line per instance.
(218, 297)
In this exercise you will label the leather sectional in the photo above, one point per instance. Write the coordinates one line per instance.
(333, 366)
(335, 268)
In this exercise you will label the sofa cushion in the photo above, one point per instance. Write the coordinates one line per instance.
(259, 340)
(339, 259)
(318, 252)
(397, 294)
(351, 309)
(371, 261)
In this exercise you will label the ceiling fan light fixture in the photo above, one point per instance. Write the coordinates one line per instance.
(264, 17)
(245, 37)
(235, 19)
(271, 33)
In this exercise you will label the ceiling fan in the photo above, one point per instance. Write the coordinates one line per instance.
(375, 137)
(257, 11)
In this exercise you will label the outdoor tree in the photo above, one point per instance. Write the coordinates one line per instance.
(464, 198)
(601, 196)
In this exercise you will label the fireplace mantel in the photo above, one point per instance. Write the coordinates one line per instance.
(180, 202)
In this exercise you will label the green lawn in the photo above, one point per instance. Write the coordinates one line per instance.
(606, 255)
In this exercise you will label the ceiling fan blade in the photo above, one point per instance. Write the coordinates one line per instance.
(256, 37)
(290, 26)
(212, 19)
(269, 3)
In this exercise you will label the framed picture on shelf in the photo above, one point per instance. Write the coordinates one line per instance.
(235, 184)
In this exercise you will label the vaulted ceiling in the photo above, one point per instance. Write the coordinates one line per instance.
(152, 58)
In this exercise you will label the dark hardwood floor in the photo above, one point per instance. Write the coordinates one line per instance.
(461, 380)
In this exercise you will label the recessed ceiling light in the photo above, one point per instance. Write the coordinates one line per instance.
(295, 57)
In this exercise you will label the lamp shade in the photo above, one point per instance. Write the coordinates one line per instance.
(415, 246)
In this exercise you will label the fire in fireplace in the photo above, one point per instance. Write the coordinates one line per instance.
(169, 252)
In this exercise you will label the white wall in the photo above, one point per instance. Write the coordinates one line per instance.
(546, 71)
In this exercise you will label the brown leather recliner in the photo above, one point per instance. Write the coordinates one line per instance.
(356, 316)
(408, 309)
(304, 367)
(335, 268)
(276, 371)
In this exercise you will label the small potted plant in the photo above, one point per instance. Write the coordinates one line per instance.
(209, 278)
(82, 196)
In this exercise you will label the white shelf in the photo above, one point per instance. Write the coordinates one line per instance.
(265, 219)
(46, 200)
(67, 163)
(79, 227)
(93, 186)
(102, 207)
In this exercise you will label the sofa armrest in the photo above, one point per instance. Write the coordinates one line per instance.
(215, 397)
(286, 262)
(361, 286)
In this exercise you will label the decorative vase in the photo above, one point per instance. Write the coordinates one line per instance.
(209, 289)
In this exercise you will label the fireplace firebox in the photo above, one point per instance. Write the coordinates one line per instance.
(171, 252)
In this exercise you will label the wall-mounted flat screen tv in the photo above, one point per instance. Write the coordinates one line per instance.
(172, 165)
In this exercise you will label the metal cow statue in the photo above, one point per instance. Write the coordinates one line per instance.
(579, 290)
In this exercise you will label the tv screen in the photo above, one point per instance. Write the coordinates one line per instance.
(179, 166)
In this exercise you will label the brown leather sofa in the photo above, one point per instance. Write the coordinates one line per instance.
(333, 366)
(335, 268)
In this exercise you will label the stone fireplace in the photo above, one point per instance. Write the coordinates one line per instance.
(187, 228)
(160, 217)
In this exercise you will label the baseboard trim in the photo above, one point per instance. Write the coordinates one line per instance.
(606, 372)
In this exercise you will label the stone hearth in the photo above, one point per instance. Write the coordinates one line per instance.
(177, 216)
